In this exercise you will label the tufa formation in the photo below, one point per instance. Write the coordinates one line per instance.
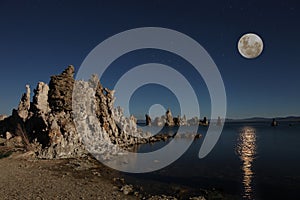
(47, 126)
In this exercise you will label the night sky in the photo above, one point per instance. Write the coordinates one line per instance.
(40, 38)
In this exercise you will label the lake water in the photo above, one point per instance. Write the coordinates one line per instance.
(250, 161)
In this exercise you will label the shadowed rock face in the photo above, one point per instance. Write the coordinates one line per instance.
(148, 120)
(176, 121)
(11, 125)
(61, 88)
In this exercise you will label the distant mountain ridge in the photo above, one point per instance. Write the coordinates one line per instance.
(252, 119)
(262, 119)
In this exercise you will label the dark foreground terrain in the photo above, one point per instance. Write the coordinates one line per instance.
(23, 176)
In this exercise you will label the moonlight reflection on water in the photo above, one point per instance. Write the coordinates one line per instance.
(246, 149)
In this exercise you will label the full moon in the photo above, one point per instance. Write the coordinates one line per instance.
(250, 45)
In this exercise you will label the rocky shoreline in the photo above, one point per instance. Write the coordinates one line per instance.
(66, 121)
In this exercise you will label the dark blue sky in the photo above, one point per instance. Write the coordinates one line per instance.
(40, 38)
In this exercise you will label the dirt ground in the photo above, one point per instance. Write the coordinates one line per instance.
(24, 177)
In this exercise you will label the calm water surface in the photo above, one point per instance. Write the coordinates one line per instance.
(250, 160)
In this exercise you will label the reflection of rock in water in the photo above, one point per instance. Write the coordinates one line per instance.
(246, 149)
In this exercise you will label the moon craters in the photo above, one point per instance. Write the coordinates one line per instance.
(250, 45)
